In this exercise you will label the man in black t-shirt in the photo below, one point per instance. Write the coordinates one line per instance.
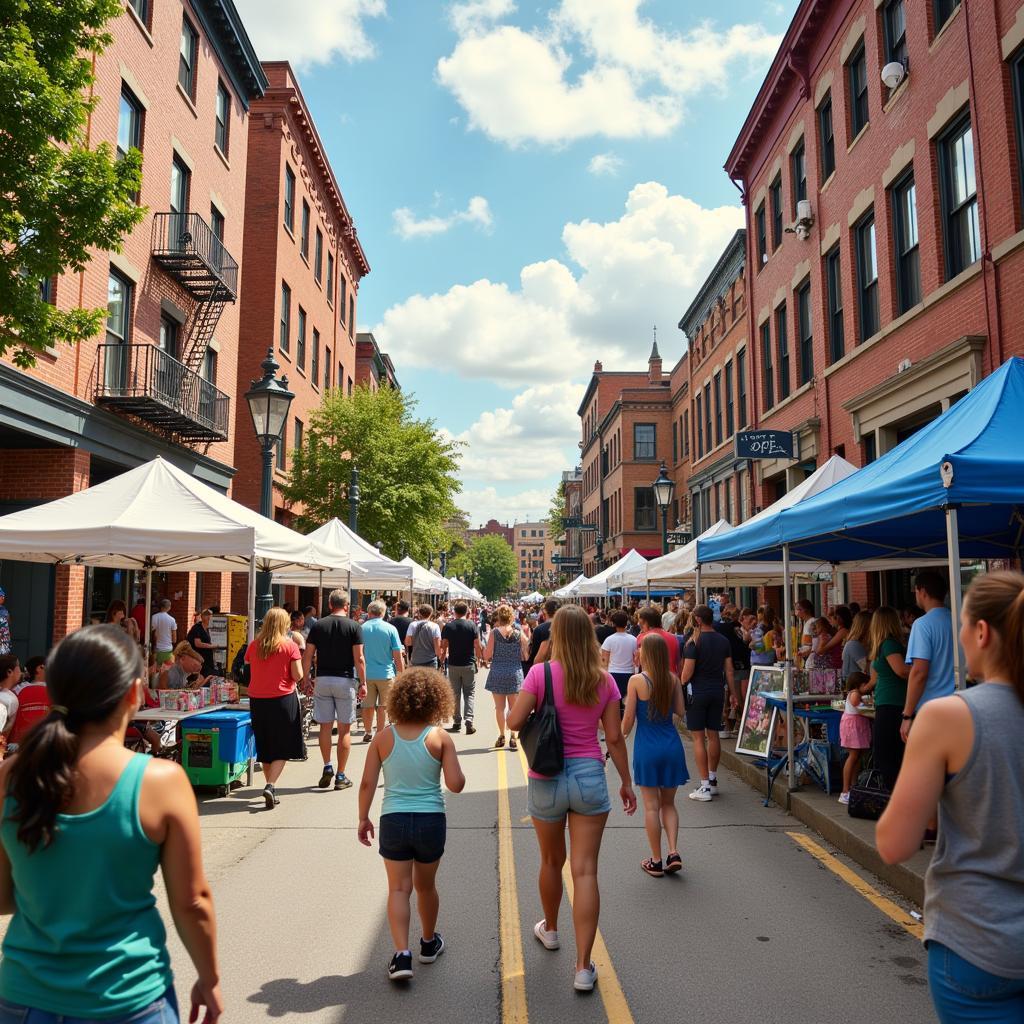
(400, 620)
(460, 644)
(336, 642)
(540, 639)
(731, 629)
(199, 638)
(707, 668)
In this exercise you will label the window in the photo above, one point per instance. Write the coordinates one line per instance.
(857, 69)
(180, 176)
(730, 425)
(959, 198)
(775, 192)
(187, 58)
(169, 334)
(826, 137)
(643, 441)
(895, 31)
(141, 8)
(806, 340)
(762, 236)
(119, 305)
(782, 336)
(834, 284)
(217, 223)
(289, 198)
(351, 315)
(644, 517)
(707, 415)
(299, 428)
(286, 317)
(129, 123)
(282, 444)
(718, 408)
(686, 433)
(314, 362)
(867, 277)
(318, 257)
(766, 356)
(327, 367)
(222, 128)
(300, 343)
(698, 423)
(908, 261)
(943, 12)
(348, 389)
(675, 442)
(304, 237)
(342, 293)
(741, 388)
(798, 174)
(330, 276)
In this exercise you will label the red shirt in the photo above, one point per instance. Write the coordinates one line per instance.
(272, 677)
(673, 647)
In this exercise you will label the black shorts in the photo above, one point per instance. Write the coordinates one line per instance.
(705, 711)
(411, 836)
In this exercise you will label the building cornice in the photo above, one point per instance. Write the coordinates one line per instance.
(728, 268)
(224, 28)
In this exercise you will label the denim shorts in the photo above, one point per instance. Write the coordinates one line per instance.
(334, 699)
(965, 994)
(163, 1011)
(411, 836)
(581, 787)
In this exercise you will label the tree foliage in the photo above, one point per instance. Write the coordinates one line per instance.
(407, 470)
(59, 197)
(493, 565)
(556, 513)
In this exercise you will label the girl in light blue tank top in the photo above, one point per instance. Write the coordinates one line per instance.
(413, 754)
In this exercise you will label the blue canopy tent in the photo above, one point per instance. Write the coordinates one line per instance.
(955, 488)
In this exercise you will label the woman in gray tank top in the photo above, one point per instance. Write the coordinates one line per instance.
(965, 755)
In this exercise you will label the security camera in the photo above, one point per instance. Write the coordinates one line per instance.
(893, 73)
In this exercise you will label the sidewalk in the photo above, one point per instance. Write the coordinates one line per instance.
(829, 818)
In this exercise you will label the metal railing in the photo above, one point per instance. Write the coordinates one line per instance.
(187, 240)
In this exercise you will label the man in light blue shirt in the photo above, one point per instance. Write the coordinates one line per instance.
(384, 658)
(930, 648)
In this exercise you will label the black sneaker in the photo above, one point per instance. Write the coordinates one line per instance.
(430, 951)
(470, 728)
(400, 968)
(342, 781)
(270, 797)
(455, 728)
(325, 779)
(713, 783)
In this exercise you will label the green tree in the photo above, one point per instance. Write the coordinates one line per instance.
(407, 470)
(556, 513)
(59, 197)
(494, 565)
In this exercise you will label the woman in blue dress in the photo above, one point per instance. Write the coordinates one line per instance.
(659, 761)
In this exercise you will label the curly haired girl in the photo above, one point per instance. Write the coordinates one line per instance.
(413, 753)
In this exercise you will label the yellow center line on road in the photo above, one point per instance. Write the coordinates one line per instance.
(608, 987)
(513, 971)
(872, 895)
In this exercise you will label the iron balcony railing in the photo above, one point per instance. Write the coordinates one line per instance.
(154, 386)
(189, 250)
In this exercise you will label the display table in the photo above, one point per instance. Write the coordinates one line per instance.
(809, 708)
(167, 715)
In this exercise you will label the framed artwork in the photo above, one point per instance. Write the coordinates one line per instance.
(756, 724)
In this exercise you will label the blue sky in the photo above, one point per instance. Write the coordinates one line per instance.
(536, 185)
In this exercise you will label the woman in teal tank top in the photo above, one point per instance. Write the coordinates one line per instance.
(85, 826)
(413, 753)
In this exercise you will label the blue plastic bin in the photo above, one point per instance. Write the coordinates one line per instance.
(235, 733)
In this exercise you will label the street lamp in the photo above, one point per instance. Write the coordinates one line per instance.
(269, 401)
(353, 499)
(664, 487)
(599, 544)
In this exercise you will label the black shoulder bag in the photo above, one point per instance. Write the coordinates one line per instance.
(540, 735)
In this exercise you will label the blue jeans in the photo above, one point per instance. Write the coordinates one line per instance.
(581, 788)
(965, 994)
(163, 1011)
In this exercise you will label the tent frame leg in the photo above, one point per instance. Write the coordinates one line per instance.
(147, 639)
(955, 592)
(787, 615)
(251, 624)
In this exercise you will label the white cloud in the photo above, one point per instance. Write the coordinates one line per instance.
(486, 503)
(408, 225)
(519, 85)
(310, 32)
(605, 165)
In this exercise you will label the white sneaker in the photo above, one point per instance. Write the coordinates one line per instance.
(702, 793)
(844, 798)
(586, 979)
(549, 940)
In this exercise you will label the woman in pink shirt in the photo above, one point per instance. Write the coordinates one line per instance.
(585, 696)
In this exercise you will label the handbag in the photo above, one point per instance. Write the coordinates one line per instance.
(540, 735)
(869, 797)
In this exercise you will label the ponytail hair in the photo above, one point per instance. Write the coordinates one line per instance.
(87, 675)
(998, 599)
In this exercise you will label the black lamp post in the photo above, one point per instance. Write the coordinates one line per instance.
(444, 563)
(269, 401)
(664, 487)
(353, 499)
(599, 543)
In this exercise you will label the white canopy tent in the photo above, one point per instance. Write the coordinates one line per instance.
(569, 590)
(599, 585)
(423, 580)
(535, 598)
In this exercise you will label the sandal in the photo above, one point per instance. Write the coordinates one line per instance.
(499, 742)
(512, 745)
(673, 863)
(652, 867)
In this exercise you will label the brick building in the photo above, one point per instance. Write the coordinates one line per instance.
(493, 526)
(572, 542)
(897, 294)
(305, 264)
(373, 367)
(177, 83)
(533, 547)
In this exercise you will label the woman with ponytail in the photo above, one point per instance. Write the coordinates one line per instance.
(85, 825)
(965, 756)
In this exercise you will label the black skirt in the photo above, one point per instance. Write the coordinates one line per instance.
(277, 728)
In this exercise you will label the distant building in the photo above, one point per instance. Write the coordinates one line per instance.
(373, 367)
(533, 547)
(492, 526)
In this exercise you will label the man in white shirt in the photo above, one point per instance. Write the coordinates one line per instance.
(670, 615)
(165, 632)
(618, 654)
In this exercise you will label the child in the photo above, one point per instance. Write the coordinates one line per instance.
(854, 733)
(413, 752)
(659, 762)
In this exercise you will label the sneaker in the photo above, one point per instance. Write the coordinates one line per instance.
(702, 793)
(470, 729)
(342, 781)
(724, 734)
(549, 940)
(586, 979)
(455, 728)
(714, 785)
(367, 736)
(325, 779)
(400, 968)
(844, 798)
(430, 951)
(270, 797)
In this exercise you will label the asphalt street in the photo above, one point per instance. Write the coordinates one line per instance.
(755, 929)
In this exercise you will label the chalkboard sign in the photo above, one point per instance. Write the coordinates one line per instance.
(764, 444)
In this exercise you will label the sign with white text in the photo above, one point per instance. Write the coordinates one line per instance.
(764, 444)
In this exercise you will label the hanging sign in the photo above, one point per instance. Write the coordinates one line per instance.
(764, 444)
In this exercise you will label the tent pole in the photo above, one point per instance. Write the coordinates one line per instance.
(787, 613)
(148, 637)
(251, 625)
(955, 591)
(696, 585)
(320, 595)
